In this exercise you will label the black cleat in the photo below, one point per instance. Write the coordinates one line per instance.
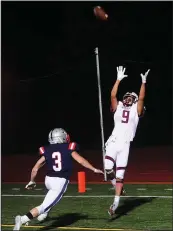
(123, 192)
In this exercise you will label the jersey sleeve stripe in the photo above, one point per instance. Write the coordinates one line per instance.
(72, 146)
(41, 150)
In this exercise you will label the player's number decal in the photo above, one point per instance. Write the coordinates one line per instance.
(125, 116)
(57, 158)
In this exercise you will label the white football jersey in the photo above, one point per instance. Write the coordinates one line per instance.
(125, 122)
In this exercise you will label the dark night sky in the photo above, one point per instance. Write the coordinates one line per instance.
(49, 72)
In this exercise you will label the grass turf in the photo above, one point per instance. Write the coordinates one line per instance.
(142, 211)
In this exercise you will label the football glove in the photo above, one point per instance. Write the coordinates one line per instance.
(120, 73)
(30, 185)
(144, 77)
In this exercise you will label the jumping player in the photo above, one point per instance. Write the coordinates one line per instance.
(126, 118)
(58, 158)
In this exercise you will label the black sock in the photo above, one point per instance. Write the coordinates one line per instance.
(30, 216)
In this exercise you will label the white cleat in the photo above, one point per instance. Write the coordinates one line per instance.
(111, 210)
(18, 223)
(42, 217)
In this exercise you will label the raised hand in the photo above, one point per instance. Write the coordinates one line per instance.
(121, 73)
(144, 76)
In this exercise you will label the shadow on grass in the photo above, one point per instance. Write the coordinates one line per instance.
(129, 205)
(64, 220)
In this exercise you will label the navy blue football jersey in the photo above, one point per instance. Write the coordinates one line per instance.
(58, 158)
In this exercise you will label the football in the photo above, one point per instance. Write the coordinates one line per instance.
(100, 13)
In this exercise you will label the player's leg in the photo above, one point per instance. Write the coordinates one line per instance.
(110, 158)
(121, 163)
(43, 216)
(53, 196)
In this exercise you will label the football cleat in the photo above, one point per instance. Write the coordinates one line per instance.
(123, 192)
(111, 210)
(18, 223)
(42, 217)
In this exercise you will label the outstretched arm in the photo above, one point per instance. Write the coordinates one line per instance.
(84, 162)
(36, 167)
(114, 101)
(140, 105)
(34, 171)
(120, 76)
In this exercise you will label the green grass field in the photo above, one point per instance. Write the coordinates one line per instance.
(146, 207)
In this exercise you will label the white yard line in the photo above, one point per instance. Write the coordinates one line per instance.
(80, 196)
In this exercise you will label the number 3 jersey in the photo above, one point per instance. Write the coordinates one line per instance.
(125, 122)
(58, 159)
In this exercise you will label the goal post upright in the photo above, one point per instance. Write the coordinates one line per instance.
(100, 109)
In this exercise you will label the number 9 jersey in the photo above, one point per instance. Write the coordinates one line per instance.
(58, 159)
(125, 122)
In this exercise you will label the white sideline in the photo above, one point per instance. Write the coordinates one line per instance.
(80, 196)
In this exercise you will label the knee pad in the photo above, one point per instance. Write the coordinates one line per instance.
(109, 162)
(120, 174)
(110, 174)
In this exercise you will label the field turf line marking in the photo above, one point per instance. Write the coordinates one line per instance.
(99, 182)
(71, 228)
(87, 196)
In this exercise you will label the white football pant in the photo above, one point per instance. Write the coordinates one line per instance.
(56, 188)
(117, 152)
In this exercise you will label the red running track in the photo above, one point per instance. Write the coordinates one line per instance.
(152, 164)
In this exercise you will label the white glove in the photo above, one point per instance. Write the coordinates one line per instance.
(30, 185)
(120, 73)
(144, 77)
(98, 171)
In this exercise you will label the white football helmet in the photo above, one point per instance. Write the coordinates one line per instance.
(58, 135)
(133, 96)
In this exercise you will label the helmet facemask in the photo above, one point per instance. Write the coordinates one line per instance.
(129, 99)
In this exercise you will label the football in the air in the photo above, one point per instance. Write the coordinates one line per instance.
(100, 13)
